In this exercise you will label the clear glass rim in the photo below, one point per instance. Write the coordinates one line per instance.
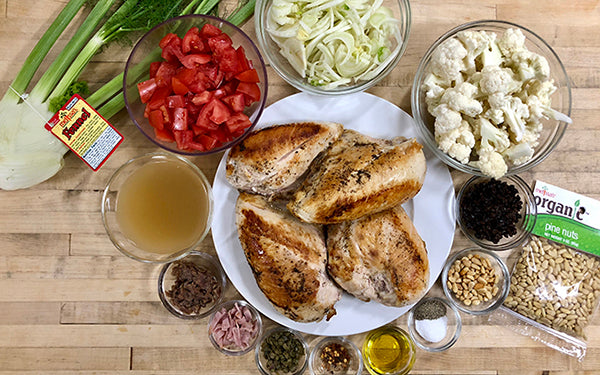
(177, 255)
(262, 36)
(458, 326)
(427, 136)
(261, 66)
(505, 284)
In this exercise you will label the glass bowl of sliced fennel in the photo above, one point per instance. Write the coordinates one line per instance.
(491, 98)
(333, 47)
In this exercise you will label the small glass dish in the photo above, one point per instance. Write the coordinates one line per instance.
(453, 324)
(237, 309)
(553, 130)
(523, 226)
(263, 364)
(171, 289)
(317, 365)
(465, 294)
(147, 51)
(388, 350)
(400, 10)
(136, 226)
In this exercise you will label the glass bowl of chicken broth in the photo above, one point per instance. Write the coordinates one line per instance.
(157, 207)
(491, 98)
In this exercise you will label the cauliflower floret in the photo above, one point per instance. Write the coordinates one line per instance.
(434, 89)
(528, 65)
(457, 143)
(461, 99)
(447, 60)
(539, 109)
(498, 80)
(446, 119)
(516, 113)
(519, 153)
(491, 135)
(476, 43)
(491, 163)
(539, 88)
(511, 41)
(496, 116)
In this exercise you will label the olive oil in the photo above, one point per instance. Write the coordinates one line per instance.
(163, 207)
(388, 350)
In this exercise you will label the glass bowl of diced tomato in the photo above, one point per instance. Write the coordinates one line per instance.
(195, 85)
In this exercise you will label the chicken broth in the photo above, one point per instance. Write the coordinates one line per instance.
(163, 207)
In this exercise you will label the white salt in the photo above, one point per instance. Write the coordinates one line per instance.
(433, 330)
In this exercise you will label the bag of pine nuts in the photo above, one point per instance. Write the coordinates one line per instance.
(555, 280)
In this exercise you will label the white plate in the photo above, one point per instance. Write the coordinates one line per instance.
(430, 210)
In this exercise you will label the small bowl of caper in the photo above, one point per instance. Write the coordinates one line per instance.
(281, 351)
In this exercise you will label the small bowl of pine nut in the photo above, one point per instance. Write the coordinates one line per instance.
(476, 280)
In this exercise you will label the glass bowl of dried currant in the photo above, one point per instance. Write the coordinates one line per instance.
(496, 214)
(191, 288)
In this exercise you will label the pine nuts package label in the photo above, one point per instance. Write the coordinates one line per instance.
(555, 282)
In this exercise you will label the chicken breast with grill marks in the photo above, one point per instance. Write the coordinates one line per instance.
(273, 160)
(360, 175)
(288, 259)
(379, 257)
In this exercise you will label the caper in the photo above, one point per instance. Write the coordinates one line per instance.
(282, 351)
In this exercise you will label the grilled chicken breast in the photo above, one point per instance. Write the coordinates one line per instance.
(288, 259)
(379, 257)
(271, 160)
(358, 176)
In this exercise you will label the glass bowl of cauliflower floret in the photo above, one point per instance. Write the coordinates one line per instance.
(491, 98)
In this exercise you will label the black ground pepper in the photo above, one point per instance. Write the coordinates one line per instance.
(431, 309)
(491, 210)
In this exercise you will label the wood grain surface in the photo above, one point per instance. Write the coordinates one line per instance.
(71, 304)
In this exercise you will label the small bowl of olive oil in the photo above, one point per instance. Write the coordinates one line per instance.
(388, 350)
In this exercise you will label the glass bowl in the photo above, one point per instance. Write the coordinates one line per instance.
(147, 51)
(553, 130)
(453, 326)
(467, 291)
(229, 310)
(262, 362)
(400, 10)
(135, 207)
(388, 350)
(353, 366)
(176, 280)
(524, 225)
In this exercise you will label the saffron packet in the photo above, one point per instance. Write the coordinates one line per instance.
(83, 130)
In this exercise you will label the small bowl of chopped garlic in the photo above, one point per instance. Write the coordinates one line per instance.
(333, 47)
(491, 98)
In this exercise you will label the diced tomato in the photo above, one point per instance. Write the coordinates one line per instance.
(242, 59)
(202, 98)
(207, 142)
(159, 96)
(156, 119)
(192, 42)
(250, 89)
(196, 96)
(180, 121)
(209, 30)
(249, 75)
(154, 68)
(193, 60)
(178, 87)
(175, 101)
(147, 89)
(165, 72)
(238, 122)
(236, 102)
(164, 135)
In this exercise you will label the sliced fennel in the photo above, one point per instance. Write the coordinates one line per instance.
(334, 42)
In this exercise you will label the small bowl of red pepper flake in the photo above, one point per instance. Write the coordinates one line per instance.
(195, 85)
(335, 356)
